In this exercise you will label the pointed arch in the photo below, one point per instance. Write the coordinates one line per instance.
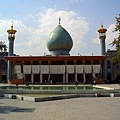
(108, 64)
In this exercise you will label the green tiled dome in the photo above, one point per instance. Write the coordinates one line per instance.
(59, 39)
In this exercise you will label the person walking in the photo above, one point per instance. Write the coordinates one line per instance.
(76, 83)
(94, 82)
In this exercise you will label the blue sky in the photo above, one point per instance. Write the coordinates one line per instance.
(35, 19)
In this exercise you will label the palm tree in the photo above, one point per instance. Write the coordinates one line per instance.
(3, 46)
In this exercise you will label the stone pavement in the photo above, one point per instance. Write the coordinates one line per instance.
(96, 108)
(102, 108)
(117, 86)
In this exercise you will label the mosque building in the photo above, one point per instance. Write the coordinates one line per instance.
(59, 67)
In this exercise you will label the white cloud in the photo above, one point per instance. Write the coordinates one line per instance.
(4, 24)
(111, 35)
(73, 23)
(32, 40)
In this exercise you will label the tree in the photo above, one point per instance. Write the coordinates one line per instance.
(3, 46)
(116, 41)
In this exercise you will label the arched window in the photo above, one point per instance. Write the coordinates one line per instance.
(3, 71)
(108, 64)
(3, 66)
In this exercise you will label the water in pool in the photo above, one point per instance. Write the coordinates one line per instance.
(49, 88)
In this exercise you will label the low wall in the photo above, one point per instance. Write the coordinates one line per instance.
(15, 91)
(58, 97)
(98, 80)
(17, 80)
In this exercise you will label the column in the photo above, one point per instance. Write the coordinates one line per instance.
(64, 78)
(66, 74)
(32, 81)
(49, 71)
(93, 74)
(9, 71)
(75, 76)
(84, 79)
(40, 74)
(41, 80)
(32, 75)
(75, 70)
(22, 71)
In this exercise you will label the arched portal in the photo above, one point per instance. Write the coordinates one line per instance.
(109, 76)
(3, 71)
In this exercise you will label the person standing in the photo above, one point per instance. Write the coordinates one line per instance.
(51, 82)
(76, 83)
(17, 84)
(94, 82)
(27, 84)
(108, 82)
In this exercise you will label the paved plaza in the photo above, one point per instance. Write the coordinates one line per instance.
(95, 108)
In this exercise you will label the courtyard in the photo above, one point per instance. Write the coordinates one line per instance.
(95, 108)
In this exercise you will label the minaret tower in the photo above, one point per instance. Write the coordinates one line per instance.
(102, 37)
(11, 37)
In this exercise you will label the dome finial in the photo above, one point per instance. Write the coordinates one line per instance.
(11, 31)
(102, 29)
(59, 20)
(12, 26)
(101, 25)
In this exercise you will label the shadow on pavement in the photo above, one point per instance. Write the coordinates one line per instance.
(8, 109)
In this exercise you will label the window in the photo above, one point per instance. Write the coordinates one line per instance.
(108, 64)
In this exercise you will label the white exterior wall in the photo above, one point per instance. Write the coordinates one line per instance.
(36, 69)
(17, 69)
(53, 69)
(88, 68)
(20, 75)
(70, 69)
(56, 69)
(96, 68)
(60, 69)
(79, 69)
(44, 69)
(27, 69)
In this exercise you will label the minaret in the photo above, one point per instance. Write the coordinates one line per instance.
(102, 37)
(11, 37)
